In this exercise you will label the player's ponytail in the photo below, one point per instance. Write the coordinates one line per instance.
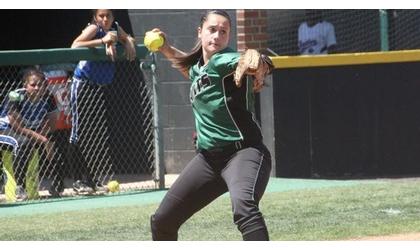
(185, 62)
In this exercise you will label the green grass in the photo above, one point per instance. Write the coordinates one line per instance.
(334, 213)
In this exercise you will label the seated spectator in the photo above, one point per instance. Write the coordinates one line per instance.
(30, 111)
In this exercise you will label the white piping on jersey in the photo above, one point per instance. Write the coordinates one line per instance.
(256, 179)
(256, 122)
(227, 107)
(252, 113)
(247, 107)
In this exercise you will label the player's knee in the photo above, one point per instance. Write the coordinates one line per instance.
(153, 223)
(162, 229)
(246, 213)
(249, 221)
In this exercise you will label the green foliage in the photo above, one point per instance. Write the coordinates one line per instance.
(382, 208)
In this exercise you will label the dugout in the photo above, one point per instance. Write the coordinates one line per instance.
(128, 117)
(358, 120)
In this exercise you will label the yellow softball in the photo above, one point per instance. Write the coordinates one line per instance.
(153, 41)
(113, 186)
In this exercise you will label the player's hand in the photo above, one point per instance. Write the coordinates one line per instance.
(253, 63)
(111, 51)
(259, 77)
(39, 138)
(111, 37)
(130, 49)
(165, 43)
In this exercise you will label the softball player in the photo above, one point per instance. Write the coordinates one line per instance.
(230, 153)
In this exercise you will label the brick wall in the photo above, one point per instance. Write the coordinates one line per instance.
(251, 29)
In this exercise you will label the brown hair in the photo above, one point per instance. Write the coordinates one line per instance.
(185, 62)
(93, 13)
(30, 72)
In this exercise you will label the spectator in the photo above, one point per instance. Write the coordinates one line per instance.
(315, 35)
(93, 77)
(30, 111)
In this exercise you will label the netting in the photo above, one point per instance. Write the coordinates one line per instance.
(115, 132)
(404, 29)
(355, 30)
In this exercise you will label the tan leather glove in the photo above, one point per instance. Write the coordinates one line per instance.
(253, 63)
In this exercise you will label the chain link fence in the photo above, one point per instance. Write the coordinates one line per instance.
(115, 130)
(356, 30)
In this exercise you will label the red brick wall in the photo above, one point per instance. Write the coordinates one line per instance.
(251, 29)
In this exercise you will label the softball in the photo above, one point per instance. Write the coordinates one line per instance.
(113, 186)
(153, 41)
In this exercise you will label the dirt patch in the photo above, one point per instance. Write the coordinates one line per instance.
(395, 237)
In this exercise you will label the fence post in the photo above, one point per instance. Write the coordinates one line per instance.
(383, 22)
(267, 120)
(158, 131)
(159, 174)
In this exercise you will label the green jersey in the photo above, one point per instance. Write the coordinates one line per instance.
(223, 112)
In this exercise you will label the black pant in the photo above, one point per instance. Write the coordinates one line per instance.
(89, 138)
(67, 161)
(244, 173)
(60, 166)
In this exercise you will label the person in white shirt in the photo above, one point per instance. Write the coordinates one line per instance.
(315, 35)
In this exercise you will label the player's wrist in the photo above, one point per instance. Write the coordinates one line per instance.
(131, 39)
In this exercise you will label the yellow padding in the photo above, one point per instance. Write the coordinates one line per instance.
(10, 187)
(282, 62)
(32, 176)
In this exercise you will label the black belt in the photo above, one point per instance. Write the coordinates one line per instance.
(232, 147)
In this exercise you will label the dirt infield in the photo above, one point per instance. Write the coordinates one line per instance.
(394, 237)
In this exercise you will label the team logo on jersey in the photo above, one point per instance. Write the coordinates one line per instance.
(202, 83)
(307, 46)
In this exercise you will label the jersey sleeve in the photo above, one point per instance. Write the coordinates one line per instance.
(331, 40)
(4, 120)
(225, 63)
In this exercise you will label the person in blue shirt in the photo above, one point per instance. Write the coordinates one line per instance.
(28, 115)
(92, 77)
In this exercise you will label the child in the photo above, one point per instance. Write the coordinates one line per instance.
(30, 112)
(93, 76)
